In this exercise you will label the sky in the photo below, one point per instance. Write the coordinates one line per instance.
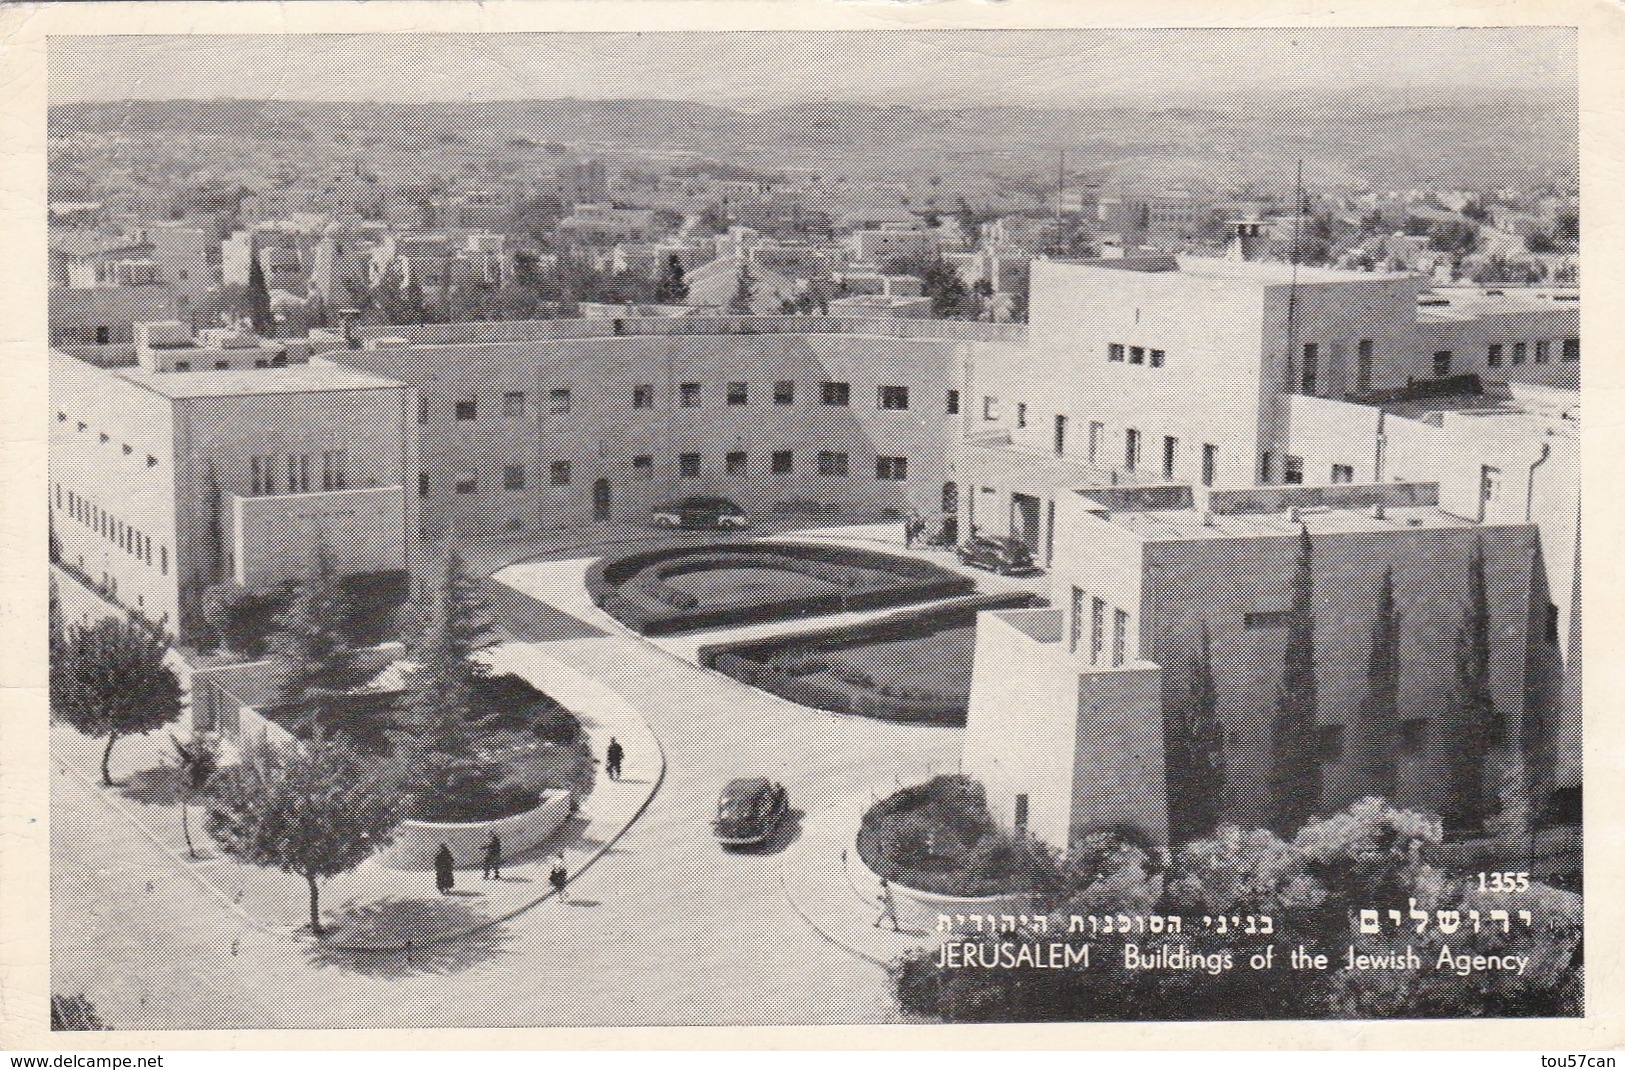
(740, 69)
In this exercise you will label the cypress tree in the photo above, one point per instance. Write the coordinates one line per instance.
(1295, 765)
(744, 293)
(1475, 729)
(1196, 773)
(258, 298)
(1381, 719)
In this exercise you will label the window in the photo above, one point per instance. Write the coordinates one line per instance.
(1519, 350)
(891, 467)
(1097, 630)
(468, 410)
(1494, 360)
(783, 461)
(735, 462)
(1210, 463)
(1097, 432)
(784, 393)
(690, 395)
(688, 465)
(1114, 353)
(183, 365)
(643, 397)
(953, 402)
(837, 393)
(1170, 454)
(1131, 449)
(1157, 358)
(467, 486)
(894, 397)
(1060, 435)
(990, 408)
(152, 462)
(298, 474)
(1119, 637)
(334, 469)
(1074, 637)
(1552, 624)
(1266, 467)
(832, 464)
(1571, 349)
(513, 477)
(1543, 352)
(1136, 354)
(1362, 375)
(1441, 364)
(1489, 483)
(103, 336)
(1021, 414)
(643, 467)
(513, 405)
(1293, 472)
(83, 426)
(738, 394)
(1342, 473)
(1309, 378)
(559, 474)
(105, 438)
(558, 400)
(1274, 618)
(423, 484)
(1413, 734)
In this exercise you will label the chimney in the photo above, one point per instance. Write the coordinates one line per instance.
(1246, 238)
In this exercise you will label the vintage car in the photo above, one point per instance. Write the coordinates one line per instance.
(748, 811)
(1004, 556)
(700, 513)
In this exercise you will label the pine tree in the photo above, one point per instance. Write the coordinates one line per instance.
(1196, 773)
(1295, 766)
(258, 298)
(1381, 704)
(309, 641)
(1475, 722)
(113, 679)
(671, 287)
(315, 810)
(742, 302)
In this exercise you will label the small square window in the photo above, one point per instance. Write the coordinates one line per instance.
(643, 397)
(1342, 473)
(1021, 414)
(953, 403)
(990, 408)
(738, 394)
(1136, 354)
(894, 397)
(558, 400)
(222, 365)
(128, 449)
(1543, 352)
(837, 393)
(1293, 472)
(1495, 356)
(735, 462)
(688, 465)
(559, 474)
(1441, 364)
(152, 462)
(1114, 353)
(513, 477)
(891, 468)
(1520, 351)
(784, 393)
(1157, 358)
(690, 394)
(832, 464)
(468, 410)
(643, 467)
(183, 365)
(1571, 349)
(783, 462)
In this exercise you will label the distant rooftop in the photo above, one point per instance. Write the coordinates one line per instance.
(1264, 272)
(294, 379)
(1447, 304)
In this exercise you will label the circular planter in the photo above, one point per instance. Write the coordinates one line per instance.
(417, 842)
(919, 910)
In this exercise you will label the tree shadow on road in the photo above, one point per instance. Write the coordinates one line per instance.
(437, 931)
(158, 786)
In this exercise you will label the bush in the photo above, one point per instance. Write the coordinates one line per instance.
(244, 617)
(508, 703)
(486, 804)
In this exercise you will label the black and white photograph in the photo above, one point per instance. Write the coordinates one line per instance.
(902, 526)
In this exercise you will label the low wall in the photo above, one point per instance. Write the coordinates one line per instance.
(417, 842)
(919, 910)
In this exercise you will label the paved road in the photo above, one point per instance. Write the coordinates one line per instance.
(665, 929)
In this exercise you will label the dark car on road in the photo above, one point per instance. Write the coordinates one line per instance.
(700, 513)
(748, 811)
(1004, 556)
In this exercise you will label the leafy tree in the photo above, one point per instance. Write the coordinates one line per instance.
(258, 297)
(113, 680)
(1541, 242)
(1295, 768)
(74, 1014)
(197, 761)
(1452, 236)
(1474, 722)
(1196, 773)
(1567, 229)
(315, 810)
(322, 666)
(244, 617)
(670, 287)
(741, 304)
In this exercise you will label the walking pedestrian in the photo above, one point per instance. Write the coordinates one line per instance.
(909, 531)
(493, 858)
(613, 757)
(445, 866)
(888, 907)
(559, 876)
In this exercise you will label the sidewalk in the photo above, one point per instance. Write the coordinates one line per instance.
(374, 907)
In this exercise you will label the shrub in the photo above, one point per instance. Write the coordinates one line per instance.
(244, 617)
(484, 804)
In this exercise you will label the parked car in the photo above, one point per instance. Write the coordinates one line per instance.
(748, 811)
(700, 513)
(1004, 556)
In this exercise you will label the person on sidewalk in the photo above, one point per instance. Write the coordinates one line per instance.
(559, 876)
(613, 758)
(445, 866)
(888, 907)
(493, 858)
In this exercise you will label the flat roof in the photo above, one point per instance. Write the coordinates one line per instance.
(1474, 304)
(1263, 272)
(293, 379)
(1173, 525)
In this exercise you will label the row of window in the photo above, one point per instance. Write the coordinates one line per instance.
(1520, 352)
(265, 474)
(1119, 353)
(106, 439)
(689, 395)
(1096, 639)
(781, 462)
(133, 542)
